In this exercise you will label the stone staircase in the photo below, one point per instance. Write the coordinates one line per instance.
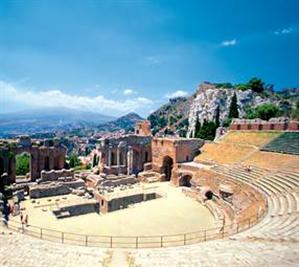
(281, 190)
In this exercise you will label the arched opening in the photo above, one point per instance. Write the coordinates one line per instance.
(167, 167)
(209, 195)
(113, 159)
(146, 156)
(56, 163)
(185, 181)
(94, 160)
(47, 163)
(136, 161)
(22, 164)
(121, 158)
(1, 166)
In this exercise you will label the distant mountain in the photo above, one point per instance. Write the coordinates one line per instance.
(172, 117)
(126, 122)
(48, 120)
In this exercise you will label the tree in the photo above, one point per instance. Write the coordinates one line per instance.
(22, 164)
(74, 161)
(197, 128)
(264, 112)
(207, 131)
(256, 85)
(217, 116)
(233, 108)
(295, 112)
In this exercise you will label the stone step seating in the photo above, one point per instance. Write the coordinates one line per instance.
(225, 253)
(282, 219)
(276, 207)
(218, 214)
(292, 178)
(21, 250)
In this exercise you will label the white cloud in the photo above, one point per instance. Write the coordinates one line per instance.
(284, 31)
(178, 93)
(57, 98)
(128, 92)
(153, 60)
(229, 42)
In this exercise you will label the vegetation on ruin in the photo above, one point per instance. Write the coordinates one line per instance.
(22, 164)
(74, 161)
(82, 168)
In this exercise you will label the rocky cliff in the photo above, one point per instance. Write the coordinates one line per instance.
(180, 115)
(209, 98)
(172, 116)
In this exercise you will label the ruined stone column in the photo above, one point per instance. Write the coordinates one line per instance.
(109, 156)
(118, 160)
(130, 161)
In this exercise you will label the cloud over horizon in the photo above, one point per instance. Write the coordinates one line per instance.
(229, 42)
(178, 93)
(58, 98)
(284, 31)
(128, 92)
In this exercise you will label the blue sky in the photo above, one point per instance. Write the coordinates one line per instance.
(114, 57)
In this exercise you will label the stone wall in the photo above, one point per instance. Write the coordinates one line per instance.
(77, 209)
(49, 189)
(46, 156)
(143, 128)
(124, 155)
(124, 202)
(177, 149)
(275, 124)
(53, 175)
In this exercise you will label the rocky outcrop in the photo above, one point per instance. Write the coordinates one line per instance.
(179, 115)
(208, 98)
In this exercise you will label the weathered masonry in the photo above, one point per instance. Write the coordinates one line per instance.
(43, 156)
(124, 155)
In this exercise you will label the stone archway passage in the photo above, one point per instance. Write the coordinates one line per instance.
(185, 181)
(47, 163)
(209, 194)
(167, 167)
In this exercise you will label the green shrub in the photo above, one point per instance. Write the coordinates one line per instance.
(74, 161)
(22, 164)
(264, 112)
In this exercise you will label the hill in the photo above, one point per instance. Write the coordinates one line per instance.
(211, 103)
(126, 122)
(172, 116)
(47, 120)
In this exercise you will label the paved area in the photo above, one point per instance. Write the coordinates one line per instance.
(155, 217)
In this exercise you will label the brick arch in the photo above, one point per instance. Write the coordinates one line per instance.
(185, 180)
(167, 167)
